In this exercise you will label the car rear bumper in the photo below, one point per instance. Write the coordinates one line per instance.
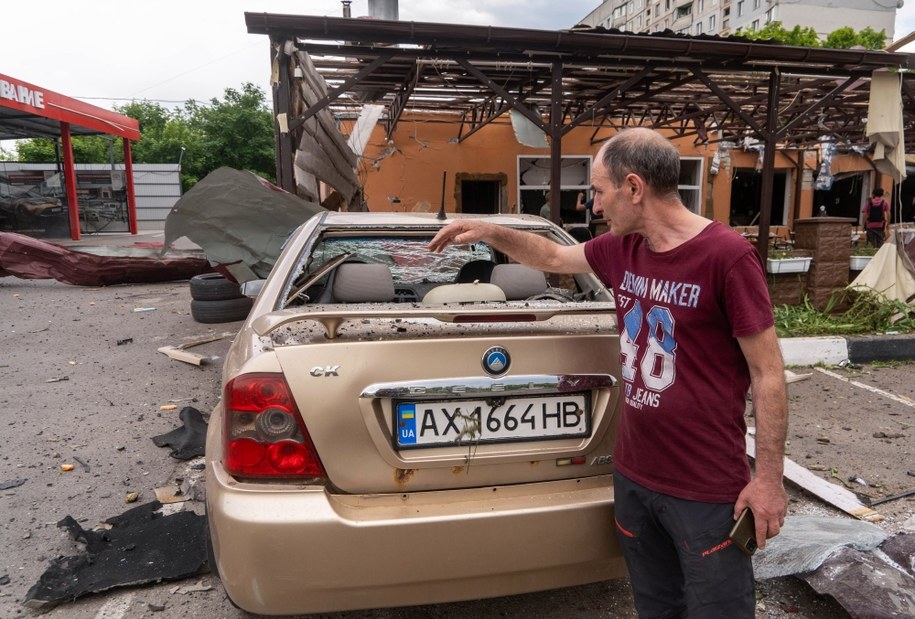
(293, 550)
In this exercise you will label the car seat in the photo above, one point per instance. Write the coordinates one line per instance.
(363, 283)
(518, 281)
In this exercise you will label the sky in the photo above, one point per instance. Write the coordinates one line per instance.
(108, 52)
(170, 51)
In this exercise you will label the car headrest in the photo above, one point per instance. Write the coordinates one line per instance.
(518, 281)
(464, 293)
(475, 271)
(363, 283)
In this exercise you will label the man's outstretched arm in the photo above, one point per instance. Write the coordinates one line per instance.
(527, 248)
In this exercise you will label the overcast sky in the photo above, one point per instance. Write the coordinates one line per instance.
(110, 51)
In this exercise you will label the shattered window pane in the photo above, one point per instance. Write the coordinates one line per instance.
(409, 258)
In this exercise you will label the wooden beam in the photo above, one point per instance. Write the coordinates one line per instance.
(836, 496)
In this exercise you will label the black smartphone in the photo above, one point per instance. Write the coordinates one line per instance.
(744, 532)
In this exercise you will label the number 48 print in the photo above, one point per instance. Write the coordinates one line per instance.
(658, 363)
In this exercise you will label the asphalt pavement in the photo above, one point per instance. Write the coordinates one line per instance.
(83, 392)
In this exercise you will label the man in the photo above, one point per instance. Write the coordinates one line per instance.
(876, 213)
(696, 330)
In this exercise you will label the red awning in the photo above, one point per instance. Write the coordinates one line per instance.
(28, 111)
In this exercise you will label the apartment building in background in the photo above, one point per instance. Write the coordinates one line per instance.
(725, 17)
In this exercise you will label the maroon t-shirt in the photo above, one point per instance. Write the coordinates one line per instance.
(684, 376)
(879, 203)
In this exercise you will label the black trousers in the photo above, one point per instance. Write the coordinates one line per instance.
(875, 237)
(681, 562)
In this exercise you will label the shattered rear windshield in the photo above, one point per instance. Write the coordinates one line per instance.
(408, 258)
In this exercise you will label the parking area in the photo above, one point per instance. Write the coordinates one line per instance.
(83, 385)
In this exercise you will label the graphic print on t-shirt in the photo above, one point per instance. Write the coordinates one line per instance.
(648, 343)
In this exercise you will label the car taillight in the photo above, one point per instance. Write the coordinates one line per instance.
(264, 432)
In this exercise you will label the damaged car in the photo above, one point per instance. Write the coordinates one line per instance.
(25, 204)
(400, 427)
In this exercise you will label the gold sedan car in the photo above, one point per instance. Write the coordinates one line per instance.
(399, 427)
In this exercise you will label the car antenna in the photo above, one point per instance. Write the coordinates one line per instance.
(441, 211)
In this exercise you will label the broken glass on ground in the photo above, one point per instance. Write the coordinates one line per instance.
(805, 542)
(868, 574)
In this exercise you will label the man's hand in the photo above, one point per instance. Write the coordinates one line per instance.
(529, 249)
(458, 232)
(769, 504)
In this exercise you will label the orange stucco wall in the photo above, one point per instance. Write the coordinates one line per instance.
(407, 174)
(424, 148)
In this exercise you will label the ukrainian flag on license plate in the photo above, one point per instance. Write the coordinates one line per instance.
(406, 424)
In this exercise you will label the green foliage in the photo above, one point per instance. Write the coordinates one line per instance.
(162, 132)
(803, 37)
(846, 38)
(782, 254)
(864, 313)
(864, 250)
(236, 132)
(843, 38)
(86, 149)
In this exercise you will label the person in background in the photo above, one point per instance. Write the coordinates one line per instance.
(696, 331)
(588, 206)
(876, 218)
(546, 210)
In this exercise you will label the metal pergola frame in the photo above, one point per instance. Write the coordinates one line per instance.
(708, 88)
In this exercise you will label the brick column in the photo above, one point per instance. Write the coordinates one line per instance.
(828, 240)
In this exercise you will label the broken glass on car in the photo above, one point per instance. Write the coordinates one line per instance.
(411, 263)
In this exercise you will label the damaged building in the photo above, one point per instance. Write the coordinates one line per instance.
(485, 119)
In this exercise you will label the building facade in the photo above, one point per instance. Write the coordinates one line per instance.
(725, 17)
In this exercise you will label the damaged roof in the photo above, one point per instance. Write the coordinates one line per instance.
(711, 88)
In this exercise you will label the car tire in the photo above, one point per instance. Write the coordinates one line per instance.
(213, 287)
(224, 310)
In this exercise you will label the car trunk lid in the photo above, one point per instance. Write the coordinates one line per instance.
(542, 408)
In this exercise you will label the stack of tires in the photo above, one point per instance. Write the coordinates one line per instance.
(214, 298)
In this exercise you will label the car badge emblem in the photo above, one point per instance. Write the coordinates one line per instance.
(496, 361)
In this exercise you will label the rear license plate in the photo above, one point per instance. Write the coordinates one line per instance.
(460, 422)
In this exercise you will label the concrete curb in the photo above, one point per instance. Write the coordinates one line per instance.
(813, 350)
(856, 349)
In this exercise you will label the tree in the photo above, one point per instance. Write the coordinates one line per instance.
(86, 149)
(236, 132)
(802, 37)
(162, 132)
(843, 38)
(166, 136)
(846, 38)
